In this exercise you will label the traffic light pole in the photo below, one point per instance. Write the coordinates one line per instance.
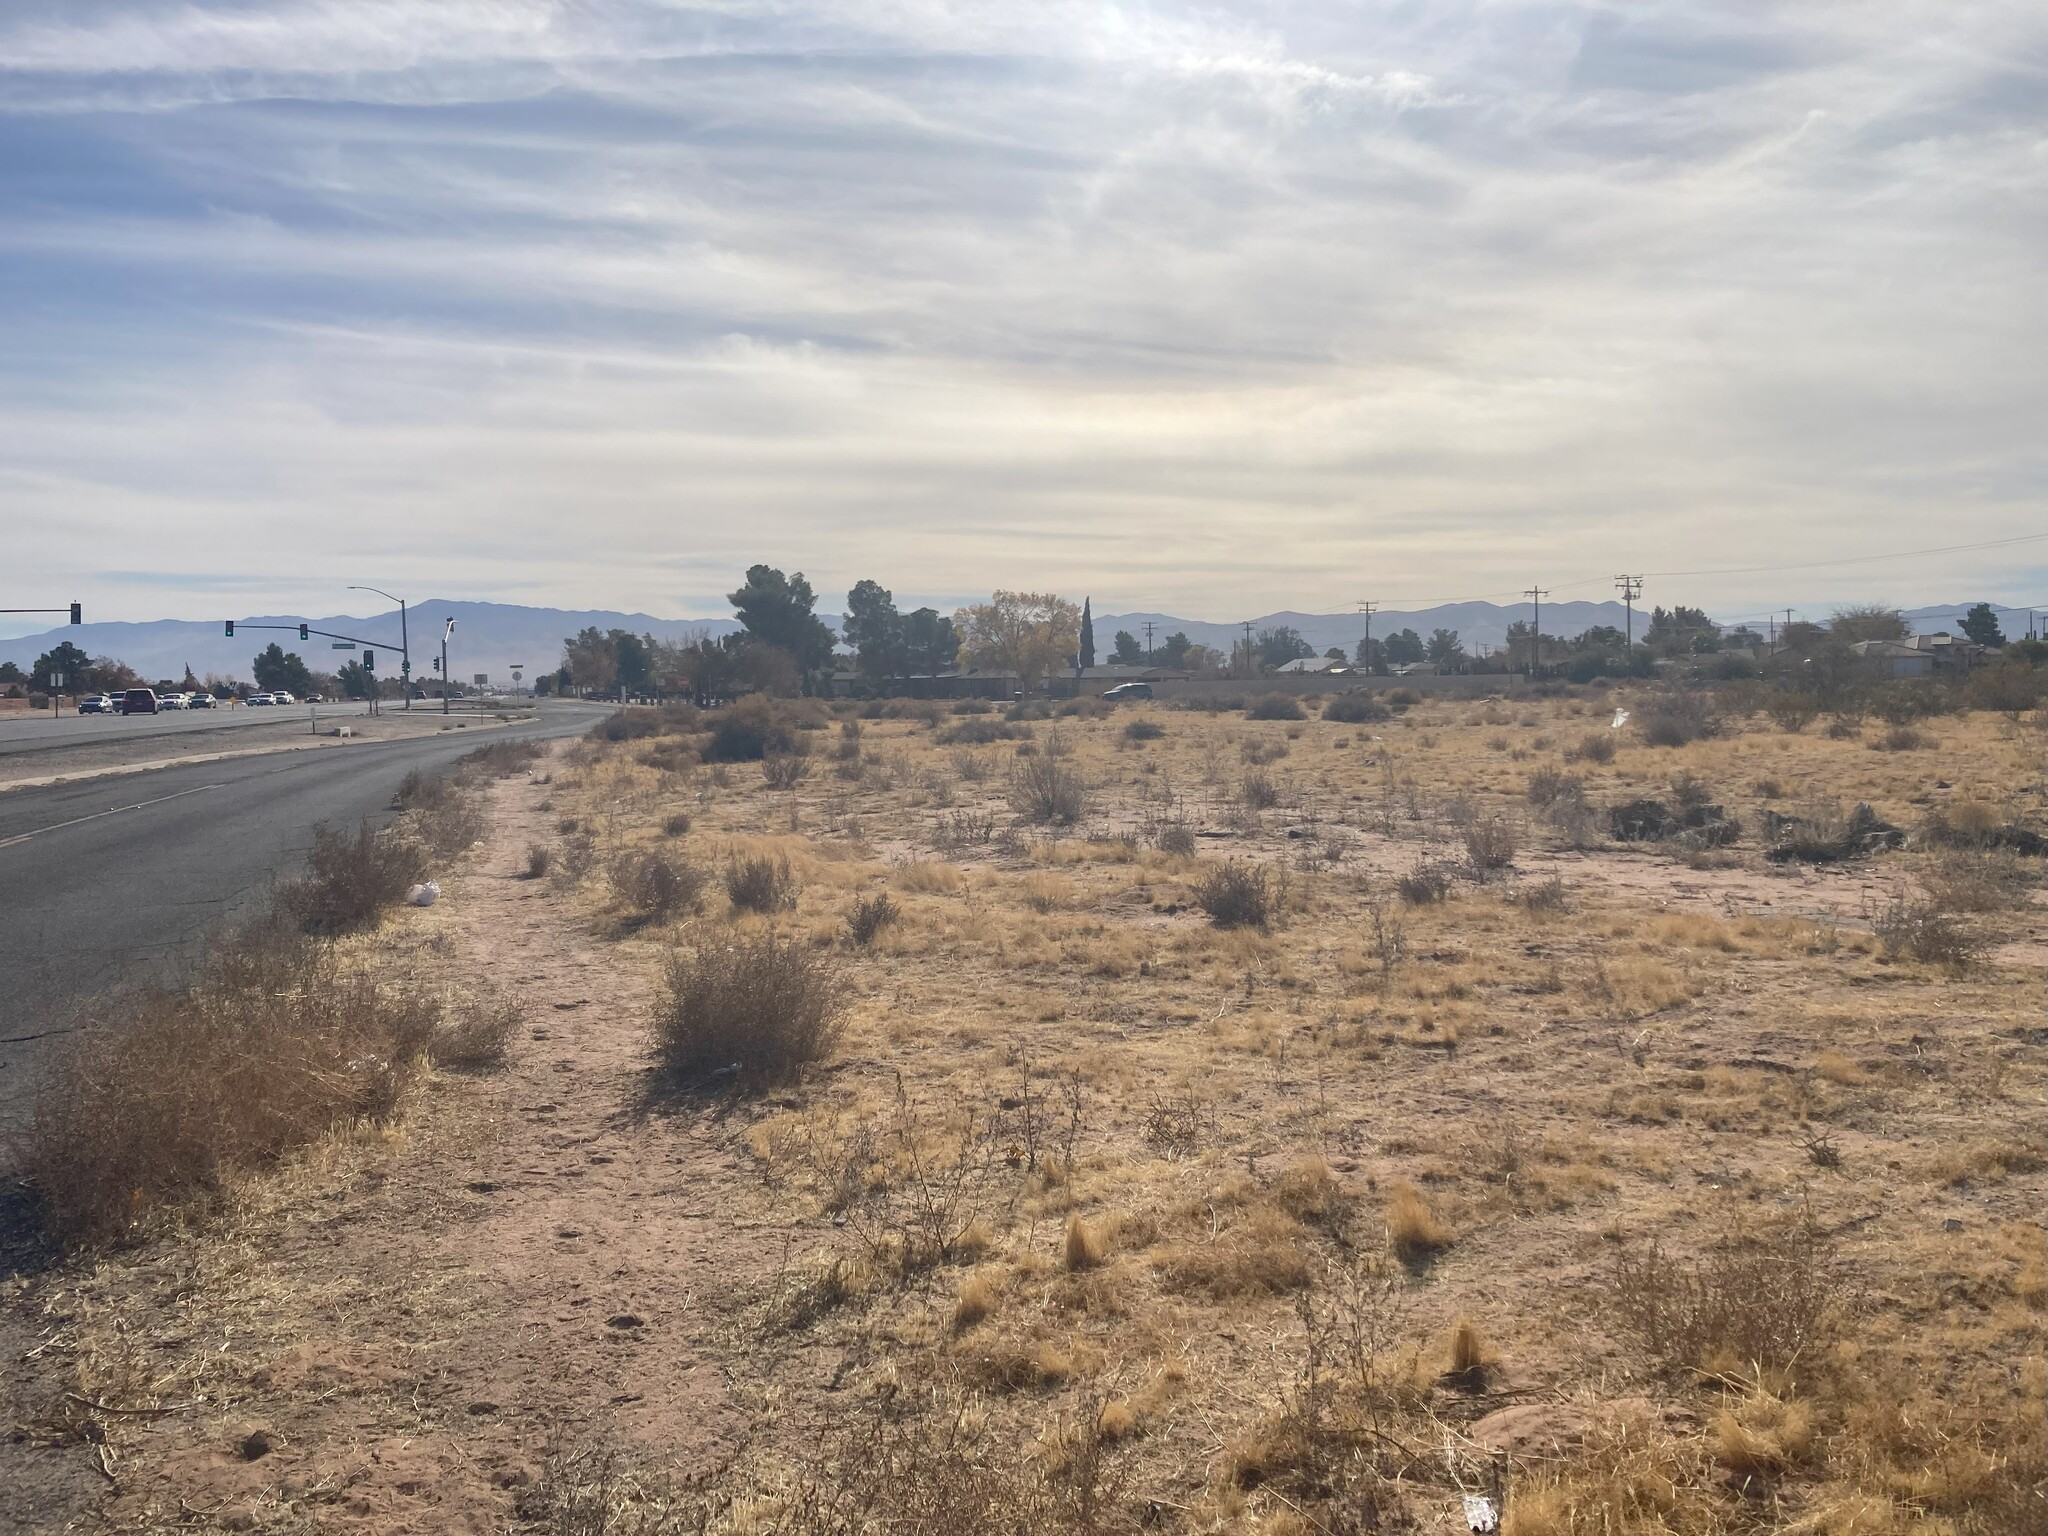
(77, 617)
(404, 641)
(307, 632)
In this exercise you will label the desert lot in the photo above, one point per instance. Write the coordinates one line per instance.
(1216, 1124)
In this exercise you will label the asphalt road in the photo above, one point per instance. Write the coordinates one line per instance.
(110, 881)
(39, 733)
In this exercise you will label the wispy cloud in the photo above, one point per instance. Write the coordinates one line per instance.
(1217, 308)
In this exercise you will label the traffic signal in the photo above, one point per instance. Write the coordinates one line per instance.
(303, 635)
(77, 614)
(369, 661)
(231, 629)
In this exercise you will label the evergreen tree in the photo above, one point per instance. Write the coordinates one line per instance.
(1087, 633)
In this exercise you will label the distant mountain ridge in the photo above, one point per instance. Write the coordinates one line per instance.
(491, 637)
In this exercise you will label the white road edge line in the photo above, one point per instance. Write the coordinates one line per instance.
(140, 805)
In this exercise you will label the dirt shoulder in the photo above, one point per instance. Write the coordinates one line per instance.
(408, 1328)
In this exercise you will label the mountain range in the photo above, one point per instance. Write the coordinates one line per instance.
(491, 637)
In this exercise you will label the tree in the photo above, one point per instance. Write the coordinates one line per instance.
(1404, 646)
(1371, 654)
(1281, 644)
(357, 682)
(776, 610)
(930, 642)
(1601, 637)
(1335, 653)
(631, 658)
(10, 672)
(63, 660)
(1681, 631)
(1874, 622)
(590, 661)
(1444, 648)
(1128, 652)
(1029, 633)
(874, 629)
(1087, 632)
(1980, 624)
(1175, 651)
(277, 668)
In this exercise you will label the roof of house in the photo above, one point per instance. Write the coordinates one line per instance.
(1315, 664)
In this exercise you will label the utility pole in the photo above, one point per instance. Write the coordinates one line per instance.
(1368, 609)
(1536, 596)
(1248, 669)
(1150, 658)
(1631, 588)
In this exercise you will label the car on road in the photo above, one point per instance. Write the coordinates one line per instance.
(199, 701)
(139, 701)
(95, 704)
(281, 697)
(259, 698)
(1124, 691)
(170, 701)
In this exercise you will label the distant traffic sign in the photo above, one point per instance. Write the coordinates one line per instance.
(343, 645)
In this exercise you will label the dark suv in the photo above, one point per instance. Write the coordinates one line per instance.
(138, 701)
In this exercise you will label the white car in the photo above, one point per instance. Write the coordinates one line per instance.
(260, 698)
(170, 701)
(281, 697)
(199, 701)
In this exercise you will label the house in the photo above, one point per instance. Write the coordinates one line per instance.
(1413, 669)
(1949, 653)
(1893, 658)
(1313, 664)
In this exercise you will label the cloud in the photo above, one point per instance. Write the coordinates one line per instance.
(1217, 308)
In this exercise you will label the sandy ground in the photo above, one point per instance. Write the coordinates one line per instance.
(543, 1262)
(397, 1335)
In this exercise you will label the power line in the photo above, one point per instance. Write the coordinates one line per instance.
(1737, 570)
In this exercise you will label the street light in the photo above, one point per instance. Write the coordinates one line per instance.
(444, 664)
(404, 651)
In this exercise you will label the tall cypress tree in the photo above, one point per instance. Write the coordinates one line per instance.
(1087, 634)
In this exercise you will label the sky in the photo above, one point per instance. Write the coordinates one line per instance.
(1212, 310)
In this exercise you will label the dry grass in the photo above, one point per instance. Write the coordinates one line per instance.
(1752, 1300)
(1413, 1230)
(760, 1010)
(656, 886)
(1214, 1214)
(1237, 896)
(167, 1098)
(760, 883)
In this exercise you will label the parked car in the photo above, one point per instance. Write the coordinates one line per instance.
(96, 704)
(1129, 691)
(139, 701)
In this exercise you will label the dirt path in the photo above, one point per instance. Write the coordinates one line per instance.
(546, 1263)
